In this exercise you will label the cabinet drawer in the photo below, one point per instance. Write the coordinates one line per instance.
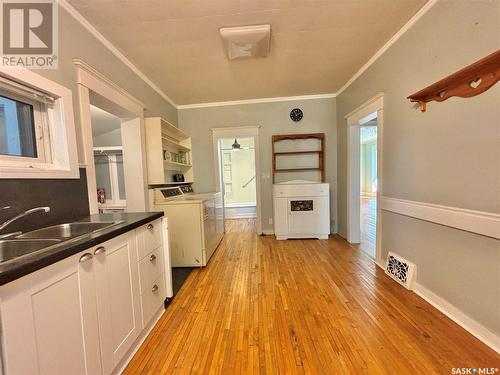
(150, 267)
(153, 298)
(149, 237)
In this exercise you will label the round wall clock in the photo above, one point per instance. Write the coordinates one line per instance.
(296, 114)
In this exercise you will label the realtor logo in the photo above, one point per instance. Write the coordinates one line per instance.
(29, 34)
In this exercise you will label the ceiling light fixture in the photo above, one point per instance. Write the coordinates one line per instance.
(236, 145)
(246, 41)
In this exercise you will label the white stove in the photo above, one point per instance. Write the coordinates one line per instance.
(196, 223)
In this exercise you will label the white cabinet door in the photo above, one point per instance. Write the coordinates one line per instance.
(118, 298)
(280, 216)
(49, 320)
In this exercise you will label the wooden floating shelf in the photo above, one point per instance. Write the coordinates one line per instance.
(282, 137)
(298, 152)
(297, 169)
(465, 83)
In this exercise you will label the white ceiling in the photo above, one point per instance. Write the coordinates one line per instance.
(316, 46)
(102, 121)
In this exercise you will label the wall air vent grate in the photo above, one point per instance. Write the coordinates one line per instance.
(400, 269)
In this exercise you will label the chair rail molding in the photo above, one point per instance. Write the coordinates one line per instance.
(479, 222)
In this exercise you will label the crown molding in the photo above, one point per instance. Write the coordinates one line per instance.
(421, 12)
(90, 28)
(257, 101)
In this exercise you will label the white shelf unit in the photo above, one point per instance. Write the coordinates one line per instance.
(163, 139)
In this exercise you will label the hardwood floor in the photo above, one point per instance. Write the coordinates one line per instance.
(240, 225)
(301, 307)
(368, 225)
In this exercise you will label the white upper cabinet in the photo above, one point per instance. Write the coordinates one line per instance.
(168, 152)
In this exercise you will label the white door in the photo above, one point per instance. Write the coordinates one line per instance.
(118, 297)
(49, 320)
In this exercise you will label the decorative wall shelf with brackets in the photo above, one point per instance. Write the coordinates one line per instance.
(467, 82)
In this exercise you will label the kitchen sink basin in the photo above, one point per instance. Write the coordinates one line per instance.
(10, 249)
(69, 230)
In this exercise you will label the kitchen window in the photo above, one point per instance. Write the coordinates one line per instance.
(22, 123)
(37, 134)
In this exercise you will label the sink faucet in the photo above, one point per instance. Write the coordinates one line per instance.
(23, 214)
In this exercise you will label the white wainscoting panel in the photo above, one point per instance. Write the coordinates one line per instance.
(480, 222)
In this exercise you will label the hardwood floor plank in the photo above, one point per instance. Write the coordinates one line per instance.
(263, 306)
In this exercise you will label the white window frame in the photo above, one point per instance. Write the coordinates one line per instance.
(40, 118)
(54, 127)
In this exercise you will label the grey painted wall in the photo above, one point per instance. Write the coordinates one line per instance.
(319, 116)
(75, 42)
(448, 155)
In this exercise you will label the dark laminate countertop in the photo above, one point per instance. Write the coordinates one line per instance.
(18, 267)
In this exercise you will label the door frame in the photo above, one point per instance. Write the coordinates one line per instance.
(239, 132)
(370, 109)
(96, 89)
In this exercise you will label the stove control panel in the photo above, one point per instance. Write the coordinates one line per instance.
(171, 192)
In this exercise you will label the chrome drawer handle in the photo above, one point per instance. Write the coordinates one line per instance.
(152, 258)
(85, 257)
(100, 250)
(150, 226)
(155, 288)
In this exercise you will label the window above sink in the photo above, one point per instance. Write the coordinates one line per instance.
(37, 131)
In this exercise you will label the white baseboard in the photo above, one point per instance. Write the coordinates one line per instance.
(241, 215)
(268, 232)
(466, 322)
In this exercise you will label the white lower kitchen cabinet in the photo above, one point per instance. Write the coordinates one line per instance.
(118, 299)
(86, 313)
(49, 320)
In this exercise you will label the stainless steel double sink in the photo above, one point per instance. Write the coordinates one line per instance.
(45, 237)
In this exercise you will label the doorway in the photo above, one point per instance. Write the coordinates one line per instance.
(96, 91)
(108, 161)
(368, 187)
(364, 171)
(237, 176)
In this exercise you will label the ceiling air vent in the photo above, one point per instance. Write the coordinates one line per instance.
(246, 41)
(400, 269)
